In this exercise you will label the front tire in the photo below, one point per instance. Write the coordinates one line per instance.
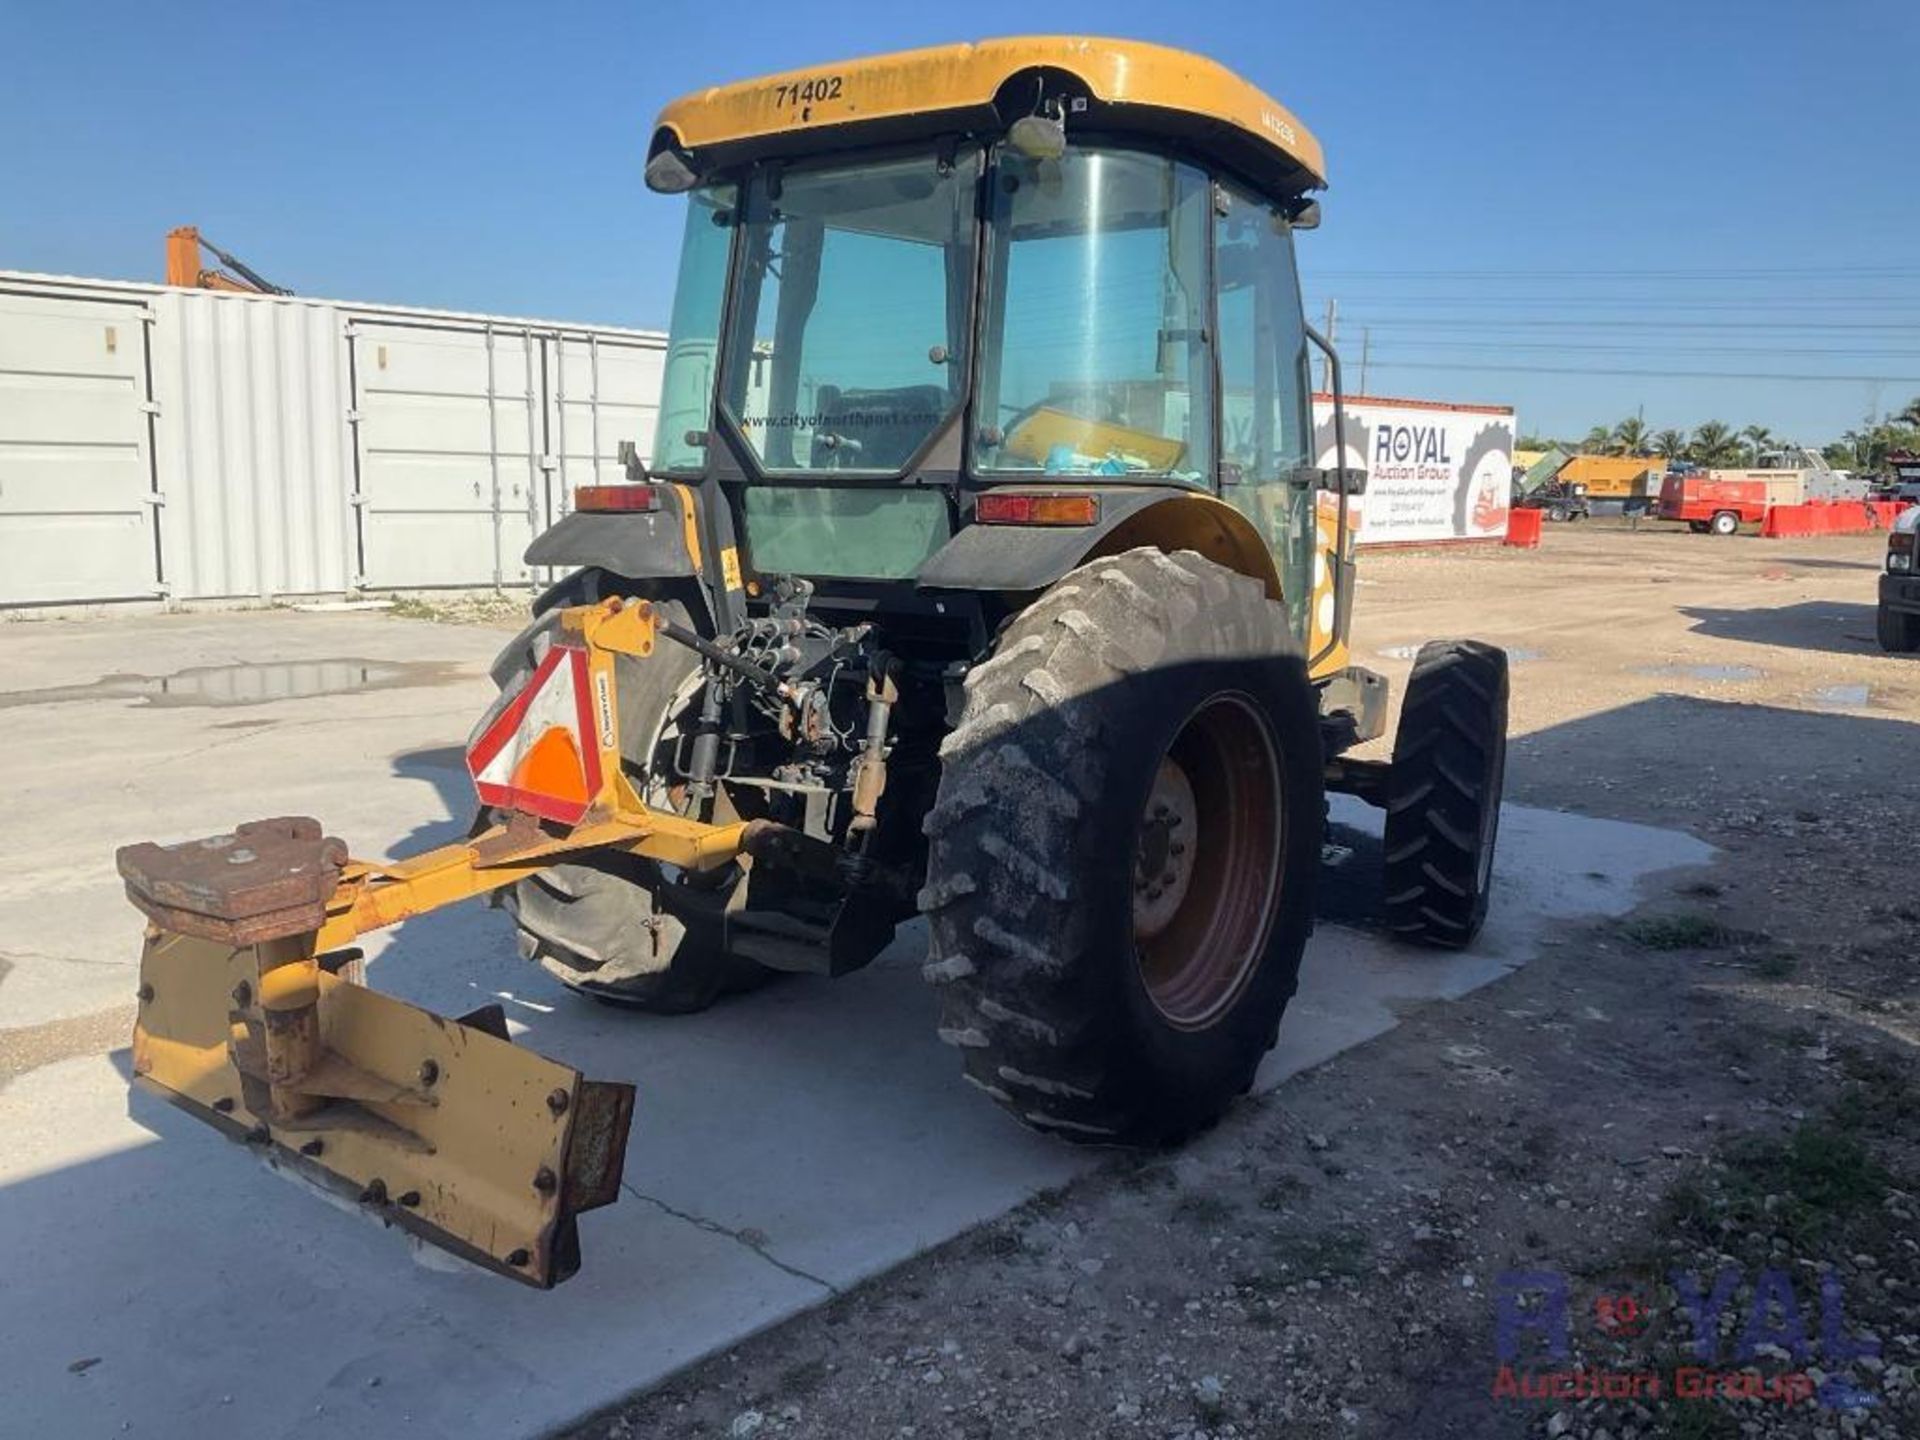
(1897, 631)
(1125, 848)
(1443, 793)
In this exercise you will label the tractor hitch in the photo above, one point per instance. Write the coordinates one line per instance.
(255, 1018)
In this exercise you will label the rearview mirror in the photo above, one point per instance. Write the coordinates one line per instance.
(1335, 480)
(631, 462)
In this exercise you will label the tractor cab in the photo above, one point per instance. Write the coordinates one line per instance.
(1018, 269)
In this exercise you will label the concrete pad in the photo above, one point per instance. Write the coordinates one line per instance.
(785, 1146)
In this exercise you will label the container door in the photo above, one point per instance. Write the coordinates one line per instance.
(77, 489)
(448, 423)
(600, 390)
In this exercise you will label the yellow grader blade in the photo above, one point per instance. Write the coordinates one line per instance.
(443, 1127)
(254, 1018)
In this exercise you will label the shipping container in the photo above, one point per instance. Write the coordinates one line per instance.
(161, 443)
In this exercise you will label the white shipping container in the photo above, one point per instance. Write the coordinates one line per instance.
(192, 444)
(1436, 472)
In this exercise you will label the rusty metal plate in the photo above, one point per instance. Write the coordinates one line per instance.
(267, 879)
(487, 1149)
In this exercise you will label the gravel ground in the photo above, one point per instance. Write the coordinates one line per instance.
(1705, 1110)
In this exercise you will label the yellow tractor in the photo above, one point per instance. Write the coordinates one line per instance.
(981, 569)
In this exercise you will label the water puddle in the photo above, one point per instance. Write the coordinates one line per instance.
(1713, 674)
(1841, 697)
(244, 684)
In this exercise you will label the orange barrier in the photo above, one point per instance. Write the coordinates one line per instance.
(1830, 517)
(1523, 528)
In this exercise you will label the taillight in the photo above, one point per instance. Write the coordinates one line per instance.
(616, 497)
(999, 508)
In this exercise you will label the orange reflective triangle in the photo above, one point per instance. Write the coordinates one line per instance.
(551, 767)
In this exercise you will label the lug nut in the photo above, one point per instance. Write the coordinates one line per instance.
(557, 1101)
(243, 995)
(375, 1193)
(518, 1258)
(224, 1104)
(1176, 848)
(544, 1180)
(429, 1071)
(313, 1147)
(145, 992)
(410, 1199)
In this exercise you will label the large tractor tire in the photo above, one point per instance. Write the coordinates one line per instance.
(616, 927)
(1897, 631)
(1125, 848)
(1443, 793)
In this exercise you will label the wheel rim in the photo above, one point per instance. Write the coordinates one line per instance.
(1207, 858)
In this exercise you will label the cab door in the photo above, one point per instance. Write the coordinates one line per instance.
(1265, 399)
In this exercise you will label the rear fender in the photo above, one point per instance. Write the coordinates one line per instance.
(642, 545)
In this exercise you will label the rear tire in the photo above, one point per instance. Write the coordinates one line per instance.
(1103, 978)
(616, 927)
(1897, 631)
(1724, 522)
(1443, 793)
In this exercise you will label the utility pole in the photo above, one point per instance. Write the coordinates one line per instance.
(1366, 346)
(1326, 365)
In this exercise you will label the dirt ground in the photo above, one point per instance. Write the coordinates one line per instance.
(1675, 1159)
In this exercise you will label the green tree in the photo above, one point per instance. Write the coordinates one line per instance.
(1630, 436)
(1910, 414)
(1714, 443)
(1671, 443)
(1758, 438)
(1599, 441)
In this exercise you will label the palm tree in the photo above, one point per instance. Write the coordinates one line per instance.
(1714, 443)
(1630, 436)
(1670, 443)
(1758, 438)
(1910, 415)
(1599, 441)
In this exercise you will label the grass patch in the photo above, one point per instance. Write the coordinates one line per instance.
(1340, 1251)
(1203, 1207)
(1800, 1186)
(460, 609)
(1677, 932)
(1776, 965)
(1284, 1193)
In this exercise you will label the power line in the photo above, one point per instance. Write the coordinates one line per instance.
(1713, 273)
(1909, 379)
(1581, 322)
(1658, 348)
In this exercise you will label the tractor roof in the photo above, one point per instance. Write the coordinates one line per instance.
(1128, 87)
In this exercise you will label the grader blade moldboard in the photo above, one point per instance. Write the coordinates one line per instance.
(443, 1127)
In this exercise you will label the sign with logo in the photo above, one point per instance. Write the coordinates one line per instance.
(1435, 472)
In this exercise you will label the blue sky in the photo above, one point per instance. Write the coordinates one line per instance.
(1701, 186)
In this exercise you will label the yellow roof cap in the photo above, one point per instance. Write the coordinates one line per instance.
(1128, 85)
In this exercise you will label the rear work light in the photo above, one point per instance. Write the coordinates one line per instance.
(615, 497)
(1001, 509)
